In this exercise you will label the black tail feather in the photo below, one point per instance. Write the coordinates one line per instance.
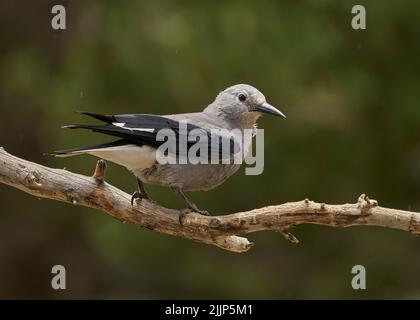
(135, 137)
(98, 146)
(101, 117)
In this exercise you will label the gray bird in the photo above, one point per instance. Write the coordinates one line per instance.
(237, 107)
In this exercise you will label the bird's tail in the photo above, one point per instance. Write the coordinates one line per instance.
(79, 151)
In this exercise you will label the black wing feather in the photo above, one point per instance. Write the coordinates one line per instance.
(102, 117)
(147, 121)
(117, 143)
(135, 137)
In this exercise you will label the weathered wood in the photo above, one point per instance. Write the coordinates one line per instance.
(222, 231)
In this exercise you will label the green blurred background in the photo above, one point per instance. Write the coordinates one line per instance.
(352, 101)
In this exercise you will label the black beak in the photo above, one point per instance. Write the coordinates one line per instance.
(269, 109)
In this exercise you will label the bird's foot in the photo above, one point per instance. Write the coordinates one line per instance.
(202, 212)
(183, 212)
(195, 209)
(139, 196)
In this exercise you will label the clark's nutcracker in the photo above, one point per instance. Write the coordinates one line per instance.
(237, 107)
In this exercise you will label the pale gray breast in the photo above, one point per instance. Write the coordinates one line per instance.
(189, 177)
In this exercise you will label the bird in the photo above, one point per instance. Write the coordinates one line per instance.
(238, 107)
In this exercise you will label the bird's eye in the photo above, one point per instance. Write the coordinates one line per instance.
(242, 97)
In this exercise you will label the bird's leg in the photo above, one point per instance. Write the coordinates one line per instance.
(140, 194)
(191, 205)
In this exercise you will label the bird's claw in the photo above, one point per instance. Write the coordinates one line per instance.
(202, 212)
(195, 209)
(138, 196)
(183, 212)
(181, 215)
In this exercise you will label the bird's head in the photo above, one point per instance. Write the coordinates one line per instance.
(242, 104)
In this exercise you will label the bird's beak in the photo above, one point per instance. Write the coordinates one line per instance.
(269, 109)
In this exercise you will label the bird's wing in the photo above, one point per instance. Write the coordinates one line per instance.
(144, 129)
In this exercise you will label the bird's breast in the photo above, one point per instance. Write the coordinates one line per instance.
(188, 176)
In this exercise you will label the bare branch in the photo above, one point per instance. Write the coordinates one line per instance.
(221, 231)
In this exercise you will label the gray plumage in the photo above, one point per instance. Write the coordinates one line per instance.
(237, 107)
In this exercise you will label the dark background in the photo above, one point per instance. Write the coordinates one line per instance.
(352, 101)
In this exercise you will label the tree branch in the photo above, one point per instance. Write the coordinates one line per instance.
(222, 231)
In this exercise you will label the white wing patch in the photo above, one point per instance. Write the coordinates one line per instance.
(122, 125)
